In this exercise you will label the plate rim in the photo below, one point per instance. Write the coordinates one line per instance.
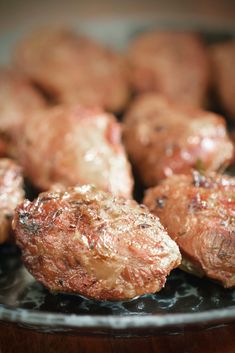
(114, 322)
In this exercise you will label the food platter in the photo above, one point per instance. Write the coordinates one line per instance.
(185, 302)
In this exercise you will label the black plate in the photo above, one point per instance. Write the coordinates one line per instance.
(185, 302)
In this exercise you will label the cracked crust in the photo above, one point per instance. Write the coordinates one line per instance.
(85, 241)
(199, 214)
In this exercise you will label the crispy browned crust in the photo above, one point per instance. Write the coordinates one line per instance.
(72, 145)
(223, 74)
(199, 214)
(163, 138)
(11, 194)
(85, 241)
(74, 69)
(173, 64)
(18, 101)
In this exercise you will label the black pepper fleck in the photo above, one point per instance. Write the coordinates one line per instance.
(23, 216)
(61, 282)
(144, 225)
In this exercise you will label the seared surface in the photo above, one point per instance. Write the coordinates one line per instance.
(199, 214)
(88, 242)
(74, 69)
(75, 145)
(18, 101)
(163, 138)
(223, 61)
(173, 64)
(11, 194)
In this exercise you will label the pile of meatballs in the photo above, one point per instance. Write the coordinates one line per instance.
(84, 233)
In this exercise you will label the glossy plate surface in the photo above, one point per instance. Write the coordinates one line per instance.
(185, 300)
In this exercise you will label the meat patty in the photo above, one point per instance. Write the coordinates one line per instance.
(198, 212)
(170, 63)
(163, 138)
(11, 194)
(223, 60)
(74, 69)
(18, 101)
(86, 241)
(73, 145)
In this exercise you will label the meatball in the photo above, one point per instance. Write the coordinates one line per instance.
(223, 59)
(11, 194)
(18, 101)
(72, 145)
(198, 212)
(74, 69)
(86, 241)
(163, 138)
(170, 63)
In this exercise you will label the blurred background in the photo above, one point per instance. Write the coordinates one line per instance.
(15, 12)
(113, 22)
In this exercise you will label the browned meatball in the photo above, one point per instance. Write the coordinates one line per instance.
(164, 139)
(11, 194)
(171, 63)
(223, 61)
(18, 101)
(199, 213)
(74, 69)
(86, 241)
(75, 145)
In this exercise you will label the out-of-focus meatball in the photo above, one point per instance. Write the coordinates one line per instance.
(74, 69)
(18, 101)
(199, 214)
(223, 61)
(11, 194)
(173, 64)
(86, 241)
(73, 145)
(232, 138)
(164, 139)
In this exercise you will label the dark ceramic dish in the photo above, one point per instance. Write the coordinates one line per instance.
(185, 302)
